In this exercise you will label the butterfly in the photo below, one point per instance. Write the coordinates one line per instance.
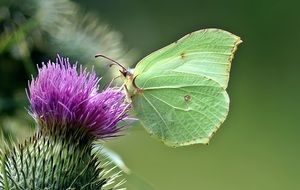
(178, 93)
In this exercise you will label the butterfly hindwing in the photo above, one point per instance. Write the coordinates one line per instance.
(179, 108)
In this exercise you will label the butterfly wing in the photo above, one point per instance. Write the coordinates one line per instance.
(206, 52)
(181, 97)
(180, 108)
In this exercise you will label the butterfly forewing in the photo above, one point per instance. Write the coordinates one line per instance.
(206, 52)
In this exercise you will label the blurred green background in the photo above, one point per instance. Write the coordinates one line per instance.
(258, 145)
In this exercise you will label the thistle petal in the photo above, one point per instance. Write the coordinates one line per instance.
(62, 97)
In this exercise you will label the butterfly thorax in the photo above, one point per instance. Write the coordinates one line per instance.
(129, 83)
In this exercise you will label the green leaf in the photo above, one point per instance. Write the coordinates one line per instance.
(133, 179)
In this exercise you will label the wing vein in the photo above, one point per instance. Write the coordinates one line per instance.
(158, 113)
(172, 87)
(208, 110)
(187, 112)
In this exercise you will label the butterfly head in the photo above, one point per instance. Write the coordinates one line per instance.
(126, 74)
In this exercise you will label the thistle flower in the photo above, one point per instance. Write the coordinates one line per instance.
(62, 99)
(71, 113)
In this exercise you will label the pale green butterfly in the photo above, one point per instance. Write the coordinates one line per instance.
(179, 92)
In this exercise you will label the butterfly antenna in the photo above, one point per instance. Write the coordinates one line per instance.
(115, 62)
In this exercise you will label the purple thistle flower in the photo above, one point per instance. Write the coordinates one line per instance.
(61, 97)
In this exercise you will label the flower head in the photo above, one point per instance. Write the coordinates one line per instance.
(63, 98)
